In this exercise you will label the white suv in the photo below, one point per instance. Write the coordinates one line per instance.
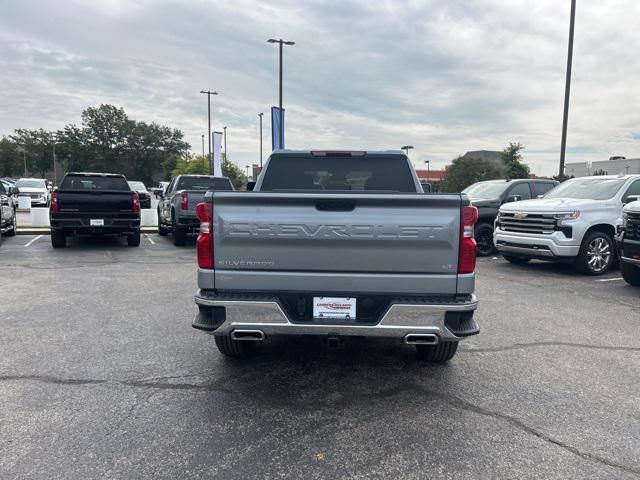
(575, 222)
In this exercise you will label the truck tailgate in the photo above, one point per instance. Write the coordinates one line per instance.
(101, 201)
(389, 243)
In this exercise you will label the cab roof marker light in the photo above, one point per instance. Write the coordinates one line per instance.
(324, 153)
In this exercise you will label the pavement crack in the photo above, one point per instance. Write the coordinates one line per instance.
(461, 404)
(54, 380)
(520, 346)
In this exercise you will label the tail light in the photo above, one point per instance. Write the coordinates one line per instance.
(136, 203)
(55, 206)
(184, 205)
(204, 244)
(467, 250)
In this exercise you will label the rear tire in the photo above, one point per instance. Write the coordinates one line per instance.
(630, 273)
(440, 353)
(516, 260)
(179, 233)
(484, 239)
(597, 254)
(133, 240)
(58, 239)
(234, 348)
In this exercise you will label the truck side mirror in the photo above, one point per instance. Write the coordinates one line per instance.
(513, 198)
(14, 191)
(158, 192)
(631, 198)
(251, 186)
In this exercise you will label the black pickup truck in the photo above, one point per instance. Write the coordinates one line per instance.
(94, 204)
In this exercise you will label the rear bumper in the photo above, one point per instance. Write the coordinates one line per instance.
(81, 226)
(535, 246)
(448, 321)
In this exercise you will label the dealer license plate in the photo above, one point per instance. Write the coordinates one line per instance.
(334, 307)
(96, 222)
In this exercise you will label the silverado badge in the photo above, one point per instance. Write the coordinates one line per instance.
(520, 215)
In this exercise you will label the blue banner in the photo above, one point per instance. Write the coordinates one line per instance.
(275, 128)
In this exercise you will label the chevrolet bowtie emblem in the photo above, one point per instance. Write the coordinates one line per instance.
(520, 215)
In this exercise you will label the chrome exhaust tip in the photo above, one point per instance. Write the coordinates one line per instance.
(248, 335)
(421, 339)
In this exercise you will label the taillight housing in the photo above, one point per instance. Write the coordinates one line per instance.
(135, 208)
(204, 243)
(54, 207)
(184, 205)
(467, 249)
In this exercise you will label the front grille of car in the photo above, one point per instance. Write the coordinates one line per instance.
(633, 226)
(538, 223)
(29, 195)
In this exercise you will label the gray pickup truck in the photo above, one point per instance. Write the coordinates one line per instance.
(177, 205)
(337, 244)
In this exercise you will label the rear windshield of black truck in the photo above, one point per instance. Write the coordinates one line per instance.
(91, 182)
(219, 184)
(378, 173)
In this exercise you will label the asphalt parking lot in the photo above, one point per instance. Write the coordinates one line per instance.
(101, 375)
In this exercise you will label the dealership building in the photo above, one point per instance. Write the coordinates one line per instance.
(613, 166)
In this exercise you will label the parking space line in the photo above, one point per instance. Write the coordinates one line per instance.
(609, 279)
(33, 240)
(150, 239)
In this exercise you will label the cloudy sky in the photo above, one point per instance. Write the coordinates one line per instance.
(445, 76)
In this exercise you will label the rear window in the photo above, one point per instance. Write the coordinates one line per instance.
(382, 173)
(81, 182)
(204, 183)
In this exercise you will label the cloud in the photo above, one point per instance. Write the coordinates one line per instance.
(446, 77)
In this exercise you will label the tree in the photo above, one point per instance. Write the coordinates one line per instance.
(233, 172)
(10, 158)
(38, 148)
(191, 165)
(511, 158)
(465, 171)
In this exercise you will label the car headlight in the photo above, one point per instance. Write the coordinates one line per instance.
(567, 215)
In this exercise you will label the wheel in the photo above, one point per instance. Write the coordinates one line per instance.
(235, 348)
(516, 260)
(58, 239)
(14, 227)
(484, 239)
(133, 240)
(179, 233)
(162, 230)
(596, 254)
(440, 353)
(630, 273)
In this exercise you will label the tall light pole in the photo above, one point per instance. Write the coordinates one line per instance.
(22, 149)
(209, 93)
(281, 42)
(203, 144)
(260, 115)
(224, 129)
(406, 148)
(567, 88)
(428, 167)
(247, 167)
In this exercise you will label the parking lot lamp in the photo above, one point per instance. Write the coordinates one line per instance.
(281, 42)
(209, 93)
(406, 149)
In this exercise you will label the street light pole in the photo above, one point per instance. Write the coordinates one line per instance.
(567, 88)
(55, 175)
(281, 42)
(203, 144)
(428, 169)
(260, 115)
(209, 93)
(406, 148)
(224, 129)
(247, 167)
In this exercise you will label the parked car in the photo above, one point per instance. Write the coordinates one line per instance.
(94, 204)
(337, 244)
(489, 195)
(12, 191)
(575, 222)
(160, 189)
(8, 222)
(143, 193)
(629, 243)
(177, 206)
(36, 189)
